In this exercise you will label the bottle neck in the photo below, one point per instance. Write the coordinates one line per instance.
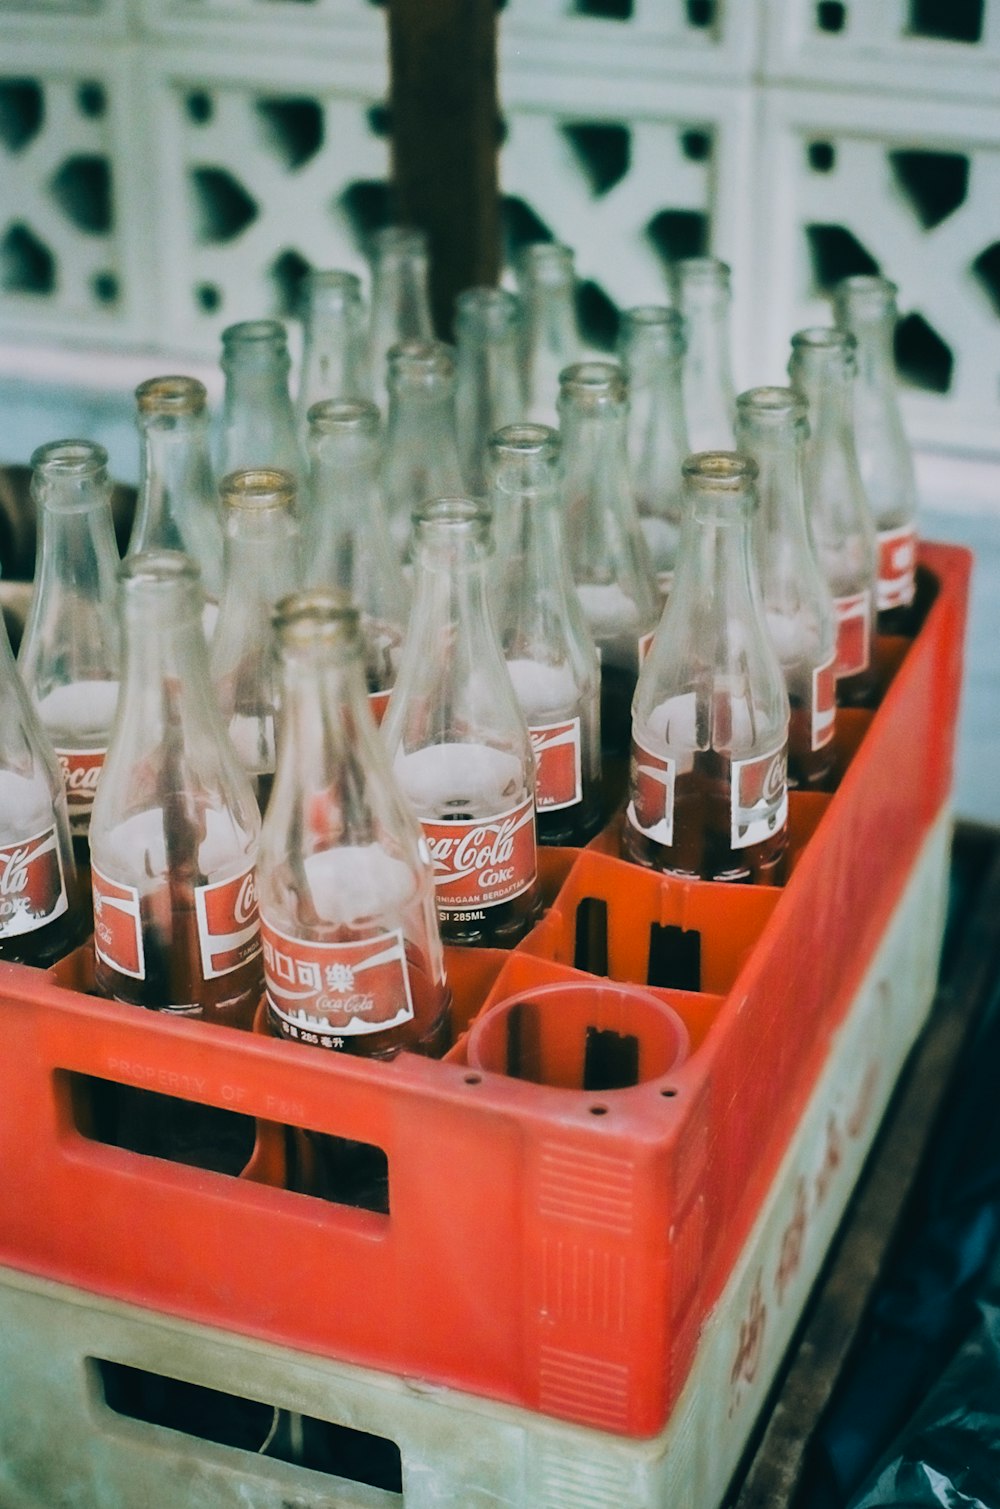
(595, 448)
(260, 559)
(781, 515)
(874, 355)
(828, 392)
(174, 473)
(165, 660)
(714, 580)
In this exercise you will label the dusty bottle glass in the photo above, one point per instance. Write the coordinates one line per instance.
(177, 506)
(703, 297)
(334, 341)
(458, 737)
(346, 539)
(651, 347)
(488, 391)
(258, 421)
(41, 916)
(175, 826)
(608, 556)
(546, 641)
(866, 306)
(798, 605)
(421, 446)
(261, 567)
(551, 338)
(840, 521)
(70, 656)
(352, 950)
(708, 787)
(400, 299)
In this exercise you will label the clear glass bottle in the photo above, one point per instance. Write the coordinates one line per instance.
(352, 950)
(401, 308)
(70, 655)
(488, 392)
(258, 421)
(546, 641)
(651, 347)
(546, 280)
(840, 521)
(703, 297)
(262, 566)
(709, 795)
(771, 427)
(608, 556)
(41, 916)
(421, 446)
(334, 341)
(175, 826)
(866, 306)
(177, 507)
(458, 737)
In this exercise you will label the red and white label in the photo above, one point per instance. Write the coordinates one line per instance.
(759, 798)
(646, 644)
(897, 563)
(118, 926)
(854, 647)
(81, 770)
(378, 702)
(32, 885)
(321, 993)
(651, 809)
(824, 703)
(558, 764)
(228, 924)
(485, 861)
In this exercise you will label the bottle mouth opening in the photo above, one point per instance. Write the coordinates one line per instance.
(158, 568)
(495, 308)
(171, 395)
(719, 472)
(867, 288)
(339, 414)
(771, 403)
(320, 616)
(702, 272)
(525, 440)
(452, 515)
(823, 338)
(332, 280)
(398, 241)
(547, 261)
(415, 361)
(595, 380)
(70, 458)
(254, 332)
(258, 489)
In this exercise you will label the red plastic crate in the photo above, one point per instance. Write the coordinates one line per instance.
(552, 1248)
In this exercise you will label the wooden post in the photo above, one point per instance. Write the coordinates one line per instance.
(445, 133)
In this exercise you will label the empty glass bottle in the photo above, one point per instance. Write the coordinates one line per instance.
(651, 347)
(421, 447)
(546, 642)
(70, 657)
(840, 521)
(352, 950)
(771, 427)
(258, 421)
(608, 557)
(551, 338)
(708, 782)
(703, 297)
(401, 309)
(346, 539)
(458, 737)
(334, 341)
(261, 567)
(488, 393)
(866, 306)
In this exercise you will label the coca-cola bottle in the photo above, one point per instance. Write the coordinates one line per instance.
(771, 427)
(703, 297)
(41, 918)
(346, 539)
(460, 743)
(175, 826)
(608, 556)
(866, 306)
(352, 951)
(261, 567)
(401, 309)
(551, 338)
(488, 393)
(69, 657)
(421, 447)
(258, 421)
(651, 347)
(840, 521)
(708, 789)
(334, 341)
(550, 654)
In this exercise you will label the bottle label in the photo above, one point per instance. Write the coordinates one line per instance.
(320, 993)
(897, 563)
(118, 926)
(651, 809)
(485, 861)
(32, 884)
(558, 764)
(81, 770)
(228, 923)
(824, 704)
(854, 650)
(378, 702)
(759, 798)
(646, 644)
